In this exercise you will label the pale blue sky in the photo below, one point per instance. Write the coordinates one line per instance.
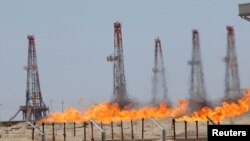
(73, 38)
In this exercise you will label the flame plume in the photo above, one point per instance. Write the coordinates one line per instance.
(224, 111)
(106, 112)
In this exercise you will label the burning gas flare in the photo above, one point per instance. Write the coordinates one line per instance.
(225, 110)
(106, 113)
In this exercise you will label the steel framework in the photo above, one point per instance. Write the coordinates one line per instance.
(120, 95)
(159, 82)
(35, 107)
(232, 80)
(197, 90)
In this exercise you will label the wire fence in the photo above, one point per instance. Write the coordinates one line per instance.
(144, 129)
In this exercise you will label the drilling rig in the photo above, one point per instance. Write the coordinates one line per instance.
(197, 90)
(120, 95)
(35, 107)
(232, 80)
(159, 91)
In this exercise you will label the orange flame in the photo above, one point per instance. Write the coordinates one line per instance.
(106, 113)
(225, 110)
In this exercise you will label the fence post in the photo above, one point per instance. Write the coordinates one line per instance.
(53, 131)
(43, 135)
(163, 135)
(142, 129)
(122, 130)
(197, 130)
(92, 132)
(74, 129)
(132, 130)
(84, 130)
(161, 127)
(103, 136)
(33, 131)
(173, 121)
(112, 130)
(36, 128)
(100, 129)
(101, 125)
(43, 127)
(64, 131)
(185, 122)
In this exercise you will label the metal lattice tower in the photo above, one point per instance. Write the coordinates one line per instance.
(159, 82)
(197, 98)
(119, 82)
(232, 81)
(35, 107)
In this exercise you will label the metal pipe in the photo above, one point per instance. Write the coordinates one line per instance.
(161, 127)
(163, 135)
(142, 129)
(209, 119)
(40, 132)
(132, 130)
(173, 121)
(197, 130)
(122, 130)
(103, 133)
(99, 128)
(103, 136)
(185, 123)
(112, 130)
(43, 137)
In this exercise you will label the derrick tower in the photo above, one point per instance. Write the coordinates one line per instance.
(120, 95)
(34, 107)
(232, 81)
(159, 91)
(197, 97)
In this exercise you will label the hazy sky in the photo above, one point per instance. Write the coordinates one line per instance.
(73, 38)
